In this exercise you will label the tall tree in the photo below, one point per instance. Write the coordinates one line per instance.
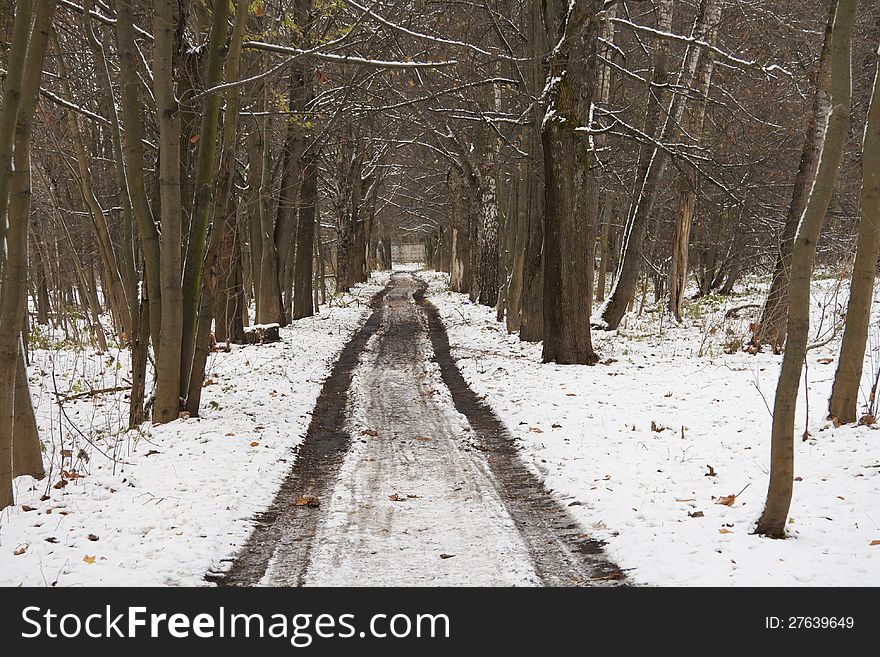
(775, 515)
(571, 193)
(848, 377)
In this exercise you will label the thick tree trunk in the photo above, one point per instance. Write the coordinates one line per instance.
(168, 357)
(487, 273)
(571, 194)
(773, 520)
(14, 218)
(845, 391)
(305, 243)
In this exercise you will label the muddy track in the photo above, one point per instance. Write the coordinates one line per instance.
(511, 525)
(286, 525)
(562, 553)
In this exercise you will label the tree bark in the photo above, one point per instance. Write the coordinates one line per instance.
(168, 357)
(571, 194)
(14, 216)
(772, 521)
(845, 391)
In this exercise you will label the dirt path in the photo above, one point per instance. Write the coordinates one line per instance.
(416, 482)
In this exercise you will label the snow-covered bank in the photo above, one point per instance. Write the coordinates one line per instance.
(646, 446)
(164, 505)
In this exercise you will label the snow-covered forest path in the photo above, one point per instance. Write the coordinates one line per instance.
(405, 478)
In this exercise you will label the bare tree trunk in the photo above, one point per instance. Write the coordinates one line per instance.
(305, 243)
(845, 392)
(193, 272)
(772, 521)
(460, 276)
(168, 356)
(532, 314)
(21, 94)
(571, 193)
(487, 273)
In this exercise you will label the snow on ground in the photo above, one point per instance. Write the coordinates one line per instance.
(164, 504)
(643, 446)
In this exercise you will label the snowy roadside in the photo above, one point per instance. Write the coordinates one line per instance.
(166, 504)
(649, 491)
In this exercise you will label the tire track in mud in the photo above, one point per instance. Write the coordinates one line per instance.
(286, 538)
(285, 525)
(562, 553)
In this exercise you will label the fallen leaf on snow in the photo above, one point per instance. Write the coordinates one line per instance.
(536, 430)
(875, 543)
(695, 514)
(255, 444)
(307, 500)
(711, 472)
(370, 432)
(51, 539)
(89, 559)
(724, 531)
(825, 361)
(446, 556)
(20, 550)
(394, 497)
(690, 499)
(92, 537)
(726, 500)
(25, 507)
(423, 439)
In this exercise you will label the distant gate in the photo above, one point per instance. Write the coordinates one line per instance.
(408, 252)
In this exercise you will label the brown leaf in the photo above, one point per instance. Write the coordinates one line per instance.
(423, 439)
(724, 531)
(25, 507)
(695, 514)
(394, 497)
(208, 382)
(875, 543)
(656, 428)
(711, 472)
(66, 453)
(61, 483)
(690, 499)
(536, 430)
(370, 432)
(152, 452)
(20, 550)
(726, 500)
(255, 444)
(89, 559)
(446, 556)
(308, 500)
(92, 537)
(51, 539)
(194, 139)
(231, 433)
(825, 361)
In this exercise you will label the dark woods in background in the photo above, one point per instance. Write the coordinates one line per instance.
(176, 162)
